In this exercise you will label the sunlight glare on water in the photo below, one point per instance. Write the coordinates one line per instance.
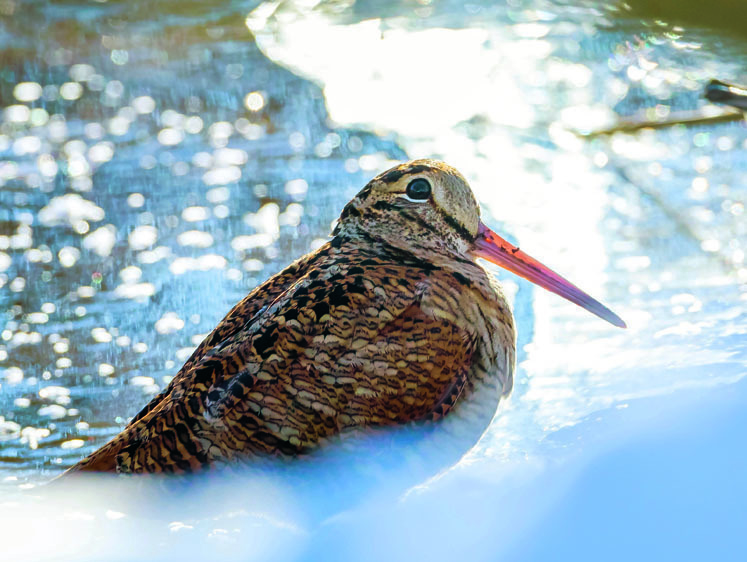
(154, 170)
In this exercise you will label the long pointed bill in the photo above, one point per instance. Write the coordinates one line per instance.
(495, 249)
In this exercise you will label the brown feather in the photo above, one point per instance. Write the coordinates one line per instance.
(363, 332)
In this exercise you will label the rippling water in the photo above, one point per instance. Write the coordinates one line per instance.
(159, 160)
(146, 188)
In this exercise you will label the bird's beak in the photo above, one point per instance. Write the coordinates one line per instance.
(495, 249)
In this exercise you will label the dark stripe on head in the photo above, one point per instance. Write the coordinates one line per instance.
(396, 174)
(387, 206)
(383, 205)
(350, 210)
(417, 220)
(399, 255)
(365, 192)
(457, 226)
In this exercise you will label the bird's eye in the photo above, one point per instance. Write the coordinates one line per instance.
(418, 190)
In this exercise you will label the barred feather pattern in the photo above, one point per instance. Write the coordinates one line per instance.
(361, 333)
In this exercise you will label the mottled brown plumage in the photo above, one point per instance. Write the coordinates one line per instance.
(392, 321)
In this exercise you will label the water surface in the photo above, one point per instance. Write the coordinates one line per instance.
(157, 161)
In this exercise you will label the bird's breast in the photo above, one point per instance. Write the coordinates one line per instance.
(475, 302)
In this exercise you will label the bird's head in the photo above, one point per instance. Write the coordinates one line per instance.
(426, 207)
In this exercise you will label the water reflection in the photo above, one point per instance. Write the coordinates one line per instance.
(133, 177)
(145, 188)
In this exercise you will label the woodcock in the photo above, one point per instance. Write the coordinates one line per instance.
(391, 321)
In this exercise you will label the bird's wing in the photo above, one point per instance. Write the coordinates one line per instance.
(346, 346)
(410, 366)
(248, 308)
(257, 301)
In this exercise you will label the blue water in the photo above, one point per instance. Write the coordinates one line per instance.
(156, 164)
